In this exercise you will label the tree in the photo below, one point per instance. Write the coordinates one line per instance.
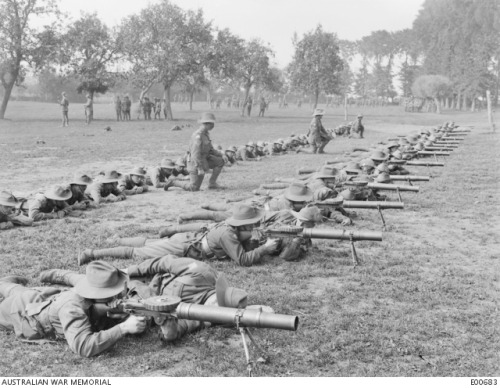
(22, 45)
(316, 65)
(254, 67)
(409, 51)
(461, 40)
(166, 45)
(89, 51)
(434, 87)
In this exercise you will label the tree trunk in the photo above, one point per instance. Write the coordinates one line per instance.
(168, 106)
(459, 101)
(6, 97)
(490, 115)
(345, 107)
(191, 95)
(464, 105)
(438, 105)
(244, 105)
(209, 98)
(473, 105)
(316, 97)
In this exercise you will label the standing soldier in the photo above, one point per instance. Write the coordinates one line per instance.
(64, 104)
(203, 157)
(127, 105)
(89, 109)
(118, 108)
(262, 106)
(249, 103)
(146, 107)
(157, 108)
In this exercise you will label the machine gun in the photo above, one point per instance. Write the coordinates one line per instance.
(328, 234)
(163, 308)
(379, 205)
(392, 187)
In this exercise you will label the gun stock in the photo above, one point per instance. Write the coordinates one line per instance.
(425, 164)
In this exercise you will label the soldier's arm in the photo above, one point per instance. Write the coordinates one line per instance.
(36, 214)
(155, 178)
(79, 335)
(234, 249)
(94, 192)
(21, 220)
(196, 152)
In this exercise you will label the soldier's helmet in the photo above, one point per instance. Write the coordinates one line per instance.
(383, 177)
(260, 144)
(251, 144)
(207, 117)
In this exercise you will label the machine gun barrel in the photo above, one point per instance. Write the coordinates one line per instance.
(411, 178)
(373, 205)
(433, 153)
(439, 148)
(334, 234)
(391, 187)
(240, 317)
(422, 163)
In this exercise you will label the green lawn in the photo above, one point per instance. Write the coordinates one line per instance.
(424, 302)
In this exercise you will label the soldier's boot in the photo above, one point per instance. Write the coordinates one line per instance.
(131, 242)
(212, 182)
(321, 149)
(216, 207)
(10, 283)
(274, 186)
(174, 229)
(60, 276)
(89, 255)
(196, 215)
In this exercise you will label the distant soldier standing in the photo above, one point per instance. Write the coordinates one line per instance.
(157, 108)
(89, 109)
(262, 106)
(64, 104)
(118, 108)
(249, 103)
(203, 157)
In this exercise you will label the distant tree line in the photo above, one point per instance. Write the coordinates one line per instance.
(450, 57)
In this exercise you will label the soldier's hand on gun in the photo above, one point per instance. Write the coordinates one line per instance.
(139, 190)
(272, 244)
(61, 214)
(134, 324)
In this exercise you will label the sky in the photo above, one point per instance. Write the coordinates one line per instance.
(274, 21)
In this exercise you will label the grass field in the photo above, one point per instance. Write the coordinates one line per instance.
(425, 302)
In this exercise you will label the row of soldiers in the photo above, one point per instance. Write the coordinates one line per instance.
(177, 262)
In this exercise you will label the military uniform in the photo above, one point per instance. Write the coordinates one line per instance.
(244, 154)
(357, 127)
(318, 137)
(128, 187)
(89, 110)
(65, 108)
(118, 109)
(42, 208)
(99, 192)
(203, 156)
(220, 242)
(48, 313)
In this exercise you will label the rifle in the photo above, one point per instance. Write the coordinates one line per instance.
(448, 143)
(162, 308)
(392, 187)
(328, 234)
(410, 178)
